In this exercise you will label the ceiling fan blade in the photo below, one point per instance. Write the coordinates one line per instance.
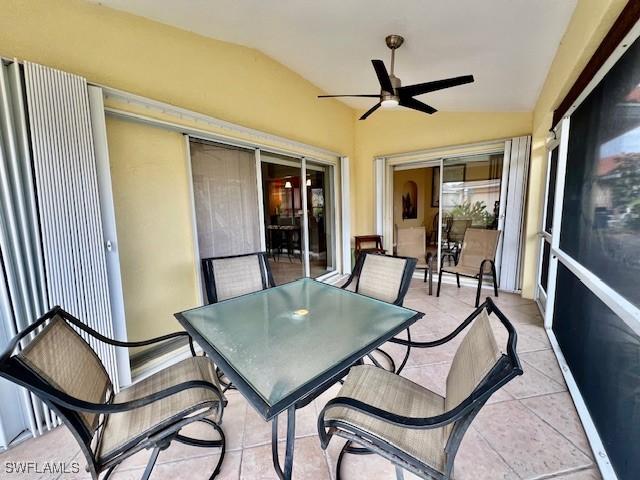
(383, 75)
(417, 105)
(420, 88)
(370, 111)
(373, 95)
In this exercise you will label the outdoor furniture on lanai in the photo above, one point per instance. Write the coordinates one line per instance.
(411, 242)
(410, 425)
(60, 367)
(293, 342)
(368, 244)
(387, 279)
(232, 276)
(454, 238)
(476, 259)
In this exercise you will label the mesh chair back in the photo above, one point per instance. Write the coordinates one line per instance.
(411, 242)
(475, 357)
(458, 229)
(383, 277)
(65, 361)
(478, 244)
(228, 277)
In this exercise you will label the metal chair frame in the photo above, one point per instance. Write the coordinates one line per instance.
(69, 408)
(405, 283)
(212, 296)
(209, 277)
(505, 369)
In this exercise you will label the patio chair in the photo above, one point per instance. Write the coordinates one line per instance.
(477, 259)
(232, 276)
(60, 367)
(385, 278)
(411, 242)
(235, 275)
(413, 427)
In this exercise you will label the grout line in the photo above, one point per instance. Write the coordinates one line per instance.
(562, 472)
(498, 454)
(590, 454)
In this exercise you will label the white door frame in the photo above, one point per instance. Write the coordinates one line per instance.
(384, 167)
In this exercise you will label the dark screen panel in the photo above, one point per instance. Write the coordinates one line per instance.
(603, 354)
(601, 213)
(544, 271)
(551, 195)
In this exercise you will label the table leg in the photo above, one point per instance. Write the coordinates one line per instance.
(291, 438)
(431, 275)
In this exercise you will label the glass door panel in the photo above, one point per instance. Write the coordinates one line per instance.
(283, 216)
(319, 185)
(470, 198)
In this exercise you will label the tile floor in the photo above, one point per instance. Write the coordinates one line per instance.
(528, 430)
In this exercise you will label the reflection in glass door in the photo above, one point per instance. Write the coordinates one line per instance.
(320, 219)
(283, 216)
(470, 198)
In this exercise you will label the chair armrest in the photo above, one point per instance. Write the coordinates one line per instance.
(77, 404)
(445, 339)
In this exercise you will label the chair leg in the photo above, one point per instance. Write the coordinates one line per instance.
(151, 464)
(495, 280)
(425, 275)
(439, 282)
(196, 442)
(458, 280)
(479, 288)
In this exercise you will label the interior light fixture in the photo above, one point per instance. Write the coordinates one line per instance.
(308, 182)
(287, 184)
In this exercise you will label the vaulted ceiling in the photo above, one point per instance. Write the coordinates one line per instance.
(508, 45)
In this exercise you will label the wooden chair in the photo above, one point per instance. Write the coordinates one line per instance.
(368, 244)
(477, 259)
(410, 425)
(59, 367)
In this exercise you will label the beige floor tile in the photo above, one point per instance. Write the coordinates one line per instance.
(194, 469)
(55, 446)
(258, 432)
(476, 460)
(558, 411)
(529, 445)
(309, 462)
(588, 474)
(358, 467)
(545, 362)
(532, 383)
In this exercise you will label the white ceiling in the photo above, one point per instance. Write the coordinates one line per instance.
(508, 45)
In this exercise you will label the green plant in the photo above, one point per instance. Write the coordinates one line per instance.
(477, 212)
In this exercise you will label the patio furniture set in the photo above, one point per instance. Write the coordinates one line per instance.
(280, 347)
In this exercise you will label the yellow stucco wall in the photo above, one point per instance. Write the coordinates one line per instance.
(397, 131)
(591, 21)
(227, 81)
(243, 86)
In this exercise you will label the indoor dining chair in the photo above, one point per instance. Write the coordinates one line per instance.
(412, 242)
(385, 278)
(60, 367)
(410, 425)
(476, 259)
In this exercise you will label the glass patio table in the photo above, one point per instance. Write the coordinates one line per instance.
(284, 346)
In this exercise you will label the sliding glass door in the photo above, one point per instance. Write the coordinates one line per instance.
(247, 200)
(282, 191)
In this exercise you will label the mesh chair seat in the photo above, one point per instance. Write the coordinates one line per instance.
(121, 428)
(465, 270)
(385, 390)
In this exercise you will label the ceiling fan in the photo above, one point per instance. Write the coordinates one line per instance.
(392, 93)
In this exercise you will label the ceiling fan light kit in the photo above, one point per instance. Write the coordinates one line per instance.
(392, 93)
